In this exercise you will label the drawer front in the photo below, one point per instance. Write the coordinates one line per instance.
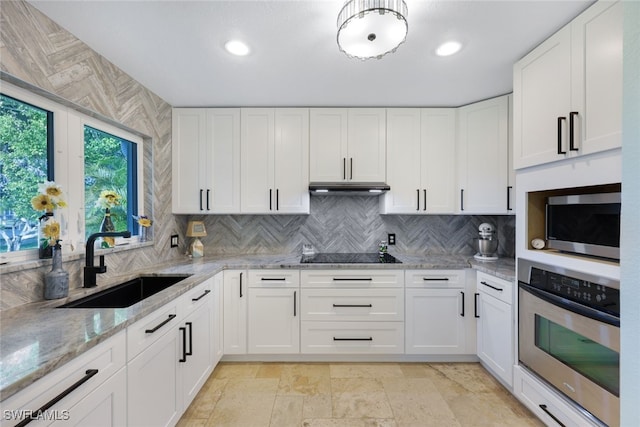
(273, 278)
(352, 278)
(200, 295)
(352, 304)
(352, 337)
(494, 286)
(148, 330)
(435, 278)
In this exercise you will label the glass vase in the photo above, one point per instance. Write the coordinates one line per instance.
(107, 226)
(144, 234)
(48, 233)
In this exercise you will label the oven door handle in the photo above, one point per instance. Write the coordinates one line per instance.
(574, 307)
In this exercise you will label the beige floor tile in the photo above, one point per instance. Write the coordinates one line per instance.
(236, 370)
(365, 370)
(204, 403)
(466, 376)
(252, 386)
(187, 422)
(415, 402)
(487, 409)
(414, 370)
(334, 422)
(359, 398)
(270, 370)
(243, 410)
(287, 411)
(317, 406)
(403, 386)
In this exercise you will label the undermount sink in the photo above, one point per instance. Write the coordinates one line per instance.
(127, 293)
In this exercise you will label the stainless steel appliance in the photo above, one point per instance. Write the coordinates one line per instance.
(348, 188)
(569, 335)
(486, 243)
(350, 258)
(585, 224)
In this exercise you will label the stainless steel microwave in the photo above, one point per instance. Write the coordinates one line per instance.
(585, 224)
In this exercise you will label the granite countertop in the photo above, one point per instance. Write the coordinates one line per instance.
(37, 338)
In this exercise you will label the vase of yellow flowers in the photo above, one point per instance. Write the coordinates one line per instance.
(48, 199)
(145, 224)
(107, 200)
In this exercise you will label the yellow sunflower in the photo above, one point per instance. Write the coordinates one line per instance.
(109, 199)
(51, 231)
(42, 202)
(144, 222)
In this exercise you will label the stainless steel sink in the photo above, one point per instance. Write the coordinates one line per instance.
(127, 293)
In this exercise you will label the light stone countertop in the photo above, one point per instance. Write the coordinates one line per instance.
(37, 338)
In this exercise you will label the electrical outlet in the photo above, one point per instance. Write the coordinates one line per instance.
(391, 238)
(174, 241)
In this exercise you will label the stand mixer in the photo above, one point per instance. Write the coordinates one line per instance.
(487, 243)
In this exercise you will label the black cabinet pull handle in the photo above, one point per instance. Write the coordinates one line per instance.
(35, 414)
(462, 314)
(435, 279)
(344, 168)
(352, 279)
(208, 191)
(190, 352)
(295, 308)
(353, 305)
(418, 199)
(462, 199)
(270, 198)
(184, 345)
(492, 287)
(351, 168)
(475, 305)
(160, 325)
(560, 120)
(201, 199)
(240, 285)
(273, 279)
(572, 146)
(425, 200)
(353, 339)
(544, 408)
(201, 296)
(509, 198)
(277, 199)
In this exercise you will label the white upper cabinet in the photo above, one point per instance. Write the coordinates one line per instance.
(483, 138)
(420, 161)
(568, 91)
(205, 160)
(275, 160)
(347, 144)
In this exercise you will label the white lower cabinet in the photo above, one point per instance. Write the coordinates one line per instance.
(235, 311)
(437, 318)
(274, 312)
(218, 324)
(91, 388)
(495, 327)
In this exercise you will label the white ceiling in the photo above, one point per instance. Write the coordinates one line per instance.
(175, 48)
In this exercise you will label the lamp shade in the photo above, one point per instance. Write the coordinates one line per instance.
(196, 229)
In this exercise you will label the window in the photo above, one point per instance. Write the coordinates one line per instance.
(26, 139)
(110, 164)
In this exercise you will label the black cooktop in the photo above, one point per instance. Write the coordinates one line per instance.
(350, 258)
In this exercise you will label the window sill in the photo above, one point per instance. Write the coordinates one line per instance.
(17, 266)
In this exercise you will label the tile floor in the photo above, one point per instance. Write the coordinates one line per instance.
(355, 395)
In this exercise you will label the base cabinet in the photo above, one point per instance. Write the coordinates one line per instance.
(235, 311)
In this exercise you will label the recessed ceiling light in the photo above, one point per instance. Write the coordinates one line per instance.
(236, 47)
(448, 48)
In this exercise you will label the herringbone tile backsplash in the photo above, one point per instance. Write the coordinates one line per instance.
(349, 224)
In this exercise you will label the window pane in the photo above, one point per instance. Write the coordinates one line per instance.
(26, 160)
(110, 164)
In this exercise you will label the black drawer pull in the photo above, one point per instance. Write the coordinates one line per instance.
(190, 352)
(273, 279)
(462, 314)
(560, 121)
(353, 339)
(184, 345)
(544, 408)
(572, 146)
(492, 287)
(435, 279)
(201, 296)
(352, 279)
(35, 414)
(353, 305)
(475, 305)
(169, 319)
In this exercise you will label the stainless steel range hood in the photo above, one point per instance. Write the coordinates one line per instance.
(348, 188)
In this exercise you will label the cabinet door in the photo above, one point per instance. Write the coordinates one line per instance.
(366, 160)
(235, 312)
(482, 157)
(435, 322)
(274, 320)
(291, 160)
(153, 384)
(222, 167)
(197, 365)
(495, 336)
(597, 77)
(403, 162)
(218, 325)
(542, 95)
(188, 160)
(257, 158)
(438, 159)
(327, 144)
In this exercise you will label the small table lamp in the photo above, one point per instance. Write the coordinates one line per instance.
(196, 229)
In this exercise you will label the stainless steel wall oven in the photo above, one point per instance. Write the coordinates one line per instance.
(569, 335)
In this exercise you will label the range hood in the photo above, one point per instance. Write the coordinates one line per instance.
(348, 188)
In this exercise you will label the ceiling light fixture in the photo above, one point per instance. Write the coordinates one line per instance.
(448, 48)
(236, 47)
(372, 28)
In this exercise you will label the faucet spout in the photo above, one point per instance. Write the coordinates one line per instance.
(90, 271)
